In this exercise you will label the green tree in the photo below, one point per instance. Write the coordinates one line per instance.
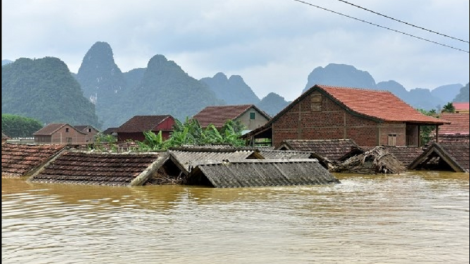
(448, 108)
(426, 131)
(19, 126)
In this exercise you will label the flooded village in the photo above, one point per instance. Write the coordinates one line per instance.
(340, 175)
(327, 129)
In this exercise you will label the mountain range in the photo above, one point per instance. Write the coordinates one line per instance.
(163, 87)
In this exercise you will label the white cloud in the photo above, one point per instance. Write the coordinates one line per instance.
(272, 44)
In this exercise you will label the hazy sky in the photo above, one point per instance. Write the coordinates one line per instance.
(273, 44)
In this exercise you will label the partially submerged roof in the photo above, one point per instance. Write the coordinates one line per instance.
(259, 173)
(99, 168)
(332, 149)
(218, 115)
(23, 160)
(142, 123)
(52, 128)
(451, 156)
(459, 124)
(373, 161)
(188, 158)
(285, 154)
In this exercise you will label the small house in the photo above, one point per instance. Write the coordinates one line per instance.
(90, 132)
(369, 117)
(248, 115)
(135, 127)
(60, 133)
(457, 130)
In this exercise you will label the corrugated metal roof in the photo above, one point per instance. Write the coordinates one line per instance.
(258, 173)
(285, 154)
(190, 159)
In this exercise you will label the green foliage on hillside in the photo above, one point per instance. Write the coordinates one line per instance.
(44, 89)
(166, 89)
(19, 126)
(463, 95)
(102, 82)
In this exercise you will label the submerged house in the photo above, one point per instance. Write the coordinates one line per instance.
(186, 158)
(60, 133)
(134, 128)
(72, 167)
(369, 117)
(325, 150)
(257, 173)
(446, 156)
(248, 115)
(23, 160)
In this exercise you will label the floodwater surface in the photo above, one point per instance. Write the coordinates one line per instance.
(416, 217)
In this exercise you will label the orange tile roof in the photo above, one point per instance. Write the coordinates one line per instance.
(382, 105)
(459, 124)
(218, 115)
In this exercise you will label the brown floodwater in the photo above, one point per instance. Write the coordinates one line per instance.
(416, 217)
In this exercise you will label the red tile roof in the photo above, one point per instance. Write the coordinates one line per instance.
(139, 124)
(459, 124)
(218, 115)
(381, 105)
(20, 160)
(461, 106)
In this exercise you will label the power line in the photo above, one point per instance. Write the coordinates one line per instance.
(373, 24)
(409, 24)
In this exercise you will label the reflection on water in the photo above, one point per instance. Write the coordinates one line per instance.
(410, 218)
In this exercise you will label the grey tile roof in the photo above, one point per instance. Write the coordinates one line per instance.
(258, 173)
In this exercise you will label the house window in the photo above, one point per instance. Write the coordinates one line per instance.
(392, 139)
(252, 116)
(66, 130)
(315, 102)
(89, 130)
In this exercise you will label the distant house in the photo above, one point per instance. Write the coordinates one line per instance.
(461, 107)
(457, 130)
(4, 138)
(135, 127)
(61, 133)
(90, 131)
(110, 131)
(369, 117)
(249, 115)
